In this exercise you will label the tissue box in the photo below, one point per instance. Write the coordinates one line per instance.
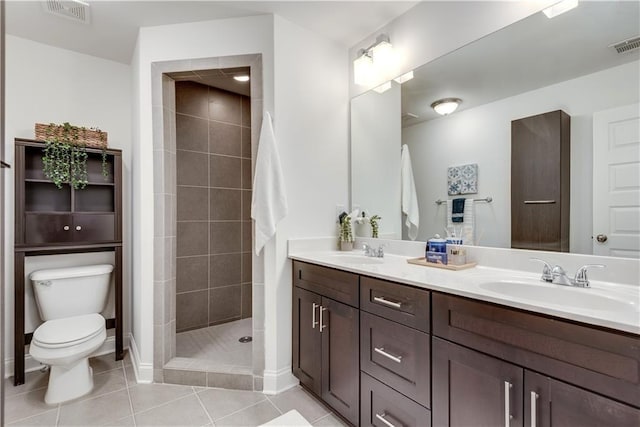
(436, 257)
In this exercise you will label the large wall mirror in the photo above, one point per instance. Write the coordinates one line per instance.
(534, 66)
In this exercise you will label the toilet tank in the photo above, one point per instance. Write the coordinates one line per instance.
(71, 291)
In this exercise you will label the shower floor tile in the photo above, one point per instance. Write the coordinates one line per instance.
(215, 348)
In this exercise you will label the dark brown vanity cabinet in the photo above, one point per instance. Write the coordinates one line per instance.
(51, 220)
(540, 166)
(325, 336)
(590, 376)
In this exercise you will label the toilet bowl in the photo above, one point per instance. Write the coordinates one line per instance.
(65, 345)
(69, 301)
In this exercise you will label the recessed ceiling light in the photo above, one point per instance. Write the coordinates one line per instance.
(559, 8)
(241, 78)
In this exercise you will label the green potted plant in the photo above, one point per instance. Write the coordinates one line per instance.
(375, 225)
(64, 159)
(345, 236)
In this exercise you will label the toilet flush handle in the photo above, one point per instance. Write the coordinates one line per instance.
(45, 283)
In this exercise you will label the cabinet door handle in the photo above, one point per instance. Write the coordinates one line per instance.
(507, 403)
(382, 418)
(322, 325)
(313, 316)
(539, 202)
(65, 228)
(383, 300)
(381, 350)
(78, 228)
(534, 401)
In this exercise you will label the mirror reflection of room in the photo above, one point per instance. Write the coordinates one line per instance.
(533, 67)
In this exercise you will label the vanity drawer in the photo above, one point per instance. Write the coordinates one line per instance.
(379, 403)
(396, 355)
(338, 285)
(400, 303)
(602, 360)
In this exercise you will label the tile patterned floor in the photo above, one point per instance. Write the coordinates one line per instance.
(117, 400)
(215, 348)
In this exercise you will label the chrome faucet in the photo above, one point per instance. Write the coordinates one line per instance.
(370, 251)
(558, 276)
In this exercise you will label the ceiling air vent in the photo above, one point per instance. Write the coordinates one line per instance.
(71, 9)
(408, 116)
(627, 45)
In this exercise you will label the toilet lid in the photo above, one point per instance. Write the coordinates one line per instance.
(68, 331)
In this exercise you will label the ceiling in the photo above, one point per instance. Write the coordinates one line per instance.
(114, 25)
(530, 54)
(221, 78)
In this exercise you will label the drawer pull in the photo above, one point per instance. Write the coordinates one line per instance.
(78, 227)
(539, 202)
(313, 316)
(65, 228)
(383, 300)
(397, 359)
(507, 403)
(534, 401)
(382, 418)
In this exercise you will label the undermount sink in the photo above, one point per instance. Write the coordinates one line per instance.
(350, 258)
(587, 298)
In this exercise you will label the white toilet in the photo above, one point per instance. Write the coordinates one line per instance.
(69, 301)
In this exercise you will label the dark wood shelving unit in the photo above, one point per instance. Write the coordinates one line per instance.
(51, 221)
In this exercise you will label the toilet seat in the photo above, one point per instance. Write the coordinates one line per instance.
(69, 331)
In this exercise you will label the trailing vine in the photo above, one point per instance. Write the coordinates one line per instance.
(375, 225)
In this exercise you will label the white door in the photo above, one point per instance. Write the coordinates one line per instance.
(616, 182)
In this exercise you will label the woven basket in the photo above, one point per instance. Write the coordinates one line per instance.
(86, 137)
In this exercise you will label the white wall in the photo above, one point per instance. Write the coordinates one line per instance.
(375, 157)
(434, 28)
(483, 135)
(46, 84)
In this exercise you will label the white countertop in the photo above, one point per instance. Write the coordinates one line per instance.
(606, 304)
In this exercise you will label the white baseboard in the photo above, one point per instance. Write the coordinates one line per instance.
(143, 371)
(30, 364)
(278, 381)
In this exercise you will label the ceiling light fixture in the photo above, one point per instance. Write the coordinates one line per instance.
(559, 8)
(446, 106)
(404, 78)
(241, 78)
(373, 59)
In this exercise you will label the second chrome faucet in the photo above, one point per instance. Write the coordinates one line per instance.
(558, 276)
(374, 252)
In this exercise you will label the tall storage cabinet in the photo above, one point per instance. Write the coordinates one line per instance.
(540, 171)
(51, 220)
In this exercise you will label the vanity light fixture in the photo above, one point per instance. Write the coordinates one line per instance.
(559, 8)
(446, 106)
(241, 78)
(372, 59)
(405, 77)
(383, 87)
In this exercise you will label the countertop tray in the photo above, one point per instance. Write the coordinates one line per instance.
(423, 261)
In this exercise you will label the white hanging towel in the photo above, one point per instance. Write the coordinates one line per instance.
(269, 199)
(467, 227)
(409, 197)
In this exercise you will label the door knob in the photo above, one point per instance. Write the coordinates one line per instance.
(601, 238)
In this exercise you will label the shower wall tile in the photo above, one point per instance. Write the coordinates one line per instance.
(192, 238)
(224, 138)
(225, 204)
(246, 205)
(224, 106)
(192, 133)
(225, 270)
(246, 267)
(193, 203)
(246, 111)
(192, 273)
(246, 236)
(191, 310)
(224, 303)
(225, 237)
(225, 171)
(245, 142)
(246, 300)
(191, 168)
(246, 174)
(191, 98)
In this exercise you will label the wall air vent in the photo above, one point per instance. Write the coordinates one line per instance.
(627, 45)
(71, 9)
